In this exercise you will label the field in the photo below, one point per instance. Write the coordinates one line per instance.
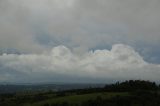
(129, 93)
(77, 99)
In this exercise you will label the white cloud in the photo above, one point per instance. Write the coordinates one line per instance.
(122, 62)
(84, 23)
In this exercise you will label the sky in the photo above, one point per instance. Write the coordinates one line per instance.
(79, 41)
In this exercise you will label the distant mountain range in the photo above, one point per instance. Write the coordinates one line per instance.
(11, 88)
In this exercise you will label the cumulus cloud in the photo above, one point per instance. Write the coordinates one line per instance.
(36, 25)
(83, 27)
(122, 62)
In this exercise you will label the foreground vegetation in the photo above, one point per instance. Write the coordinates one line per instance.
(128, 93)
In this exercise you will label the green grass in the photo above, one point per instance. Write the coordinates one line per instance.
(74, 99)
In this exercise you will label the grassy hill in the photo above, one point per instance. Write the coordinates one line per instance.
(74, 99)
(128, 93)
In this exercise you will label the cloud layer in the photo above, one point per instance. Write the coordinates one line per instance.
(32, 26)
(103, 40)
(61, 64)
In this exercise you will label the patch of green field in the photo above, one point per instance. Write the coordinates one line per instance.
(76, 99)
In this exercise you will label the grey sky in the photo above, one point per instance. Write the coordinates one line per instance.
(37, 26)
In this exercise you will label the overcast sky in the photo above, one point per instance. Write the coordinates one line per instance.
(79, 40)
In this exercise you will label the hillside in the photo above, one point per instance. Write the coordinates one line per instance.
(128, 93)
